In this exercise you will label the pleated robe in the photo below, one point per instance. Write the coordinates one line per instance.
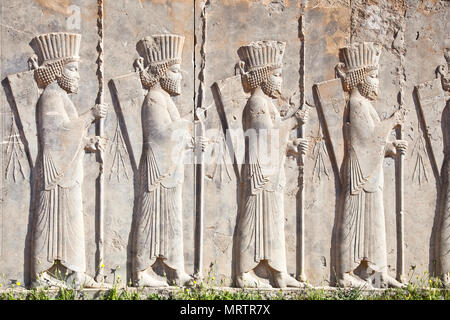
(158, 230)
(58, 225)
(361, 229)
(260, 230)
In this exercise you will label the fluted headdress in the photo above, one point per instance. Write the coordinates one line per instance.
(264, 53)
(259, 58)
(51, 47)
(359, 59)
(158, 52)
(361, 55)
(161, 48)
(53, 51)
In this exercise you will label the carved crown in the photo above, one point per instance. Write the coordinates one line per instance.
(55, 46)
(161, 48)
(263, 53)
(360, 55)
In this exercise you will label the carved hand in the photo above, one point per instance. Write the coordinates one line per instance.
(96, 143)
(99, 111)
(302, 144)
(400, 115)
(302, 115)
(297, 146)
(401, 146)
(201, 142)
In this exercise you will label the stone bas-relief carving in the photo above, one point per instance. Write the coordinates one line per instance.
(58, 227)
(444, 227)
(361, 233)
(58, 243)
(435, 106)
(142, 195)
(260, 238)
(158, 236)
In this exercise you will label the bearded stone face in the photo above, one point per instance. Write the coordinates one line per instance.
(272, 85)
(171, 82)
(69, 78)
(369, 86)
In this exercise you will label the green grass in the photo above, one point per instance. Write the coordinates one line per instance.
(418, 288)
(195, 293)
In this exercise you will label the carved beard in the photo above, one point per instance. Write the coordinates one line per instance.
(271, 88)
(367, 90)
(67, 83)
(173, 87)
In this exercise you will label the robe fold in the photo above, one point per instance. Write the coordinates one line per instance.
(159, 232)
(58, 228)
(260, 228)
(361, 231)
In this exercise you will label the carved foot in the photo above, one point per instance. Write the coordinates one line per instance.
(88, 282)
(44, 280)
(245, 280)
(351, 281)
(145, 280)
(390, 282)
(183, 279)
(446, 281)
(78, 280)
(283, 280)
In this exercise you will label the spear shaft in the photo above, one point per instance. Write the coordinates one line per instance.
(400, 213)
(100, 132)
(302, 133)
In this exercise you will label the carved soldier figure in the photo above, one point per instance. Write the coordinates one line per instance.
(444, 228)
(260, 229)
(361, 239)
(158, 233)
(58, 243)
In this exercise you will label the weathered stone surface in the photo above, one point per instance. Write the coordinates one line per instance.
(207, 232)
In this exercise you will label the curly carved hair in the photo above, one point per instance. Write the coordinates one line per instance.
(48, 73)
(255, 77)
(355, 77)
(154, 72)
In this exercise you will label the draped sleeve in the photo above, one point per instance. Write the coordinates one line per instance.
(60, 139)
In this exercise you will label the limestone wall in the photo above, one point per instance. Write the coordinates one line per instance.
(414, 39)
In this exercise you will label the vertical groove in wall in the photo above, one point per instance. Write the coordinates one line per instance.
(352, 21)
(301, 37)
(194, 57)
(201, 74)
(100, 60)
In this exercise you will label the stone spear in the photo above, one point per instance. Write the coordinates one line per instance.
(100, 132)
(200, 174)
(399, 187)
